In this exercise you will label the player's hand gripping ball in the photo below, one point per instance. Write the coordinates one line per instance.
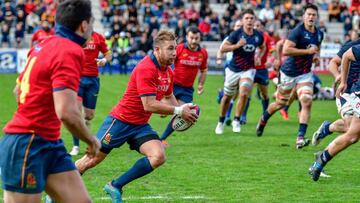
(179, 124)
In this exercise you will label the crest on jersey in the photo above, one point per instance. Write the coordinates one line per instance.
(256, 39)
(307, 35)
(200, 57)
(185, 54)
(249, 48)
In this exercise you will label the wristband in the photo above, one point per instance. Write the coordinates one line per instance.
(178, 110)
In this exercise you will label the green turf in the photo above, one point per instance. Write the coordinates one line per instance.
(204, 167)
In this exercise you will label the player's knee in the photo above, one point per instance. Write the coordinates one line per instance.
(281, 98)
(157, 159)
(246, 84)
(305, 94)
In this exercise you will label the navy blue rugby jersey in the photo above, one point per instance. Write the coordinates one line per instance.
(243, 57)
(299, 65)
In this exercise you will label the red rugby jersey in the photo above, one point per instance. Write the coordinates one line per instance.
(146, 79)
(187, 65)
(94, 46)
(52, 65)
(268, 46)
(40, 35)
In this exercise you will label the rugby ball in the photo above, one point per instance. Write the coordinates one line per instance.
(179, 124)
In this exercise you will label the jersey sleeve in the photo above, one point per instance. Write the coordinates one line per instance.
(294, 35)
(233, 37)
(146, 82)
(343, 49)
(66, 73)
(356, 52)
(204, 65)
(34, 37)
(102, 45)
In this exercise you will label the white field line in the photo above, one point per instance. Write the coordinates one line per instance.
(156, 197)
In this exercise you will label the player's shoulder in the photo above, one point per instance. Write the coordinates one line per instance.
(98, 36)
(146, 64)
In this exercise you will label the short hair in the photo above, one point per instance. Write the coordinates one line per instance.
(193, 29)
(311, 6)
(70, 13)
(163, 35)
(247, 11)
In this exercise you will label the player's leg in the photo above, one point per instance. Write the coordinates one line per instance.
(244, 114)
(67, 187)
(147, 143)
(15, 197)
(304, 90)
(229, 110)
(263, 82)
(283, 95)
(183, 95)
(336, 146)
(245, 86)
(230, 89)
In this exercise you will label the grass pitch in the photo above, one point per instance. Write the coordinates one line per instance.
(204, 167)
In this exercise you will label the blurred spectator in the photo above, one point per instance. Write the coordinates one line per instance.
(142, 47)
(267, 13)
(9, 13)
(334, 11)
(48, 16)
(205, 27)
(224, 28)
(348, 25)
(227, 17)
(205, 9)
(154, 24)
(20, 17)
(180, 31)
(44, 32)
(19, 35)
(344, 15)
(122, 47)
(355, 20)
(232, 7)
(193, 21)
(286, 17)
(29, 6)
(354, 35)
(323, 27)
(5, 39)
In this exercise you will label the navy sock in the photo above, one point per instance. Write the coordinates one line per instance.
(302, 129)
(266, 115)
(326, 130)
(265, 104)
(243, 115)
(167, 132)
(228, 113)
(325, 157)
(222, 119)
(236, 118)
(286, 107)
(76, 141)
(139, 169)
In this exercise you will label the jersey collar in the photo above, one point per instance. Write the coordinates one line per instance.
(65, 32)
(187, 47)
(154, 60)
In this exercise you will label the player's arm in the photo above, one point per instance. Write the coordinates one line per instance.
(262, 50)
(202, 78)
(334, 65)
(277, 54)
(291, 50)
(227, 46)
(219, 54)
(346, 58)
(171, 100)
(107, 59)
(68, 112)
(152, 105)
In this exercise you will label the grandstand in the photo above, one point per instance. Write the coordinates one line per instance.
(137, 19)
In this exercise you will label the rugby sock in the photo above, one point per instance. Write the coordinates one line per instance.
(228, 113)
(286, 107)
(302, 129)
(167, 132)
(222, 119)
(243, 115)
(266, 115)
(236, 118)
(265, 104)
(76, 141)
(139, 169)
(325, 157)
(326, 131)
